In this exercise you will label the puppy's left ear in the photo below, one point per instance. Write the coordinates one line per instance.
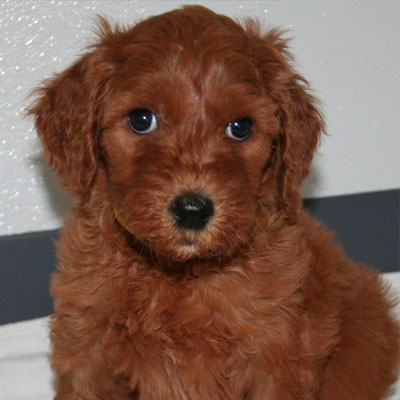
(300, 118)
(301, 128)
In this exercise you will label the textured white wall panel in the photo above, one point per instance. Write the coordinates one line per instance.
(349, 51)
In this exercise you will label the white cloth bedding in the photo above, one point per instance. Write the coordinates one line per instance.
(24, 369)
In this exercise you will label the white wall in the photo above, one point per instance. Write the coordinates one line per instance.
(348, 50)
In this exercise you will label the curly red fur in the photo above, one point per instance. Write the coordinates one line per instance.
(260, 304)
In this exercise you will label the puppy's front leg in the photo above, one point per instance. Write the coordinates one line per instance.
(67, 388)
(83, 370)
(88, 382)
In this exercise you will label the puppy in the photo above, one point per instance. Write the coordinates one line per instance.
(188, 268)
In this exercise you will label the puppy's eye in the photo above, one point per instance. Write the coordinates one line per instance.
(142, 121)
(240, 129)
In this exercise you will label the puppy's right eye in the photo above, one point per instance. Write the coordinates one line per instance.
(142, 121)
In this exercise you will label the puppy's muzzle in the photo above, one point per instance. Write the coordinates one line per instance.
(191, 210)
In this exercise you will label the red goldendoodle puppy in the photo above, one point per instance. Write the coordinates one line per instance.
(188, 268)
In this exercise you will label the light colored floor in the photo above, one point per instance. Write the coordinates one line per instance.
(24, 347)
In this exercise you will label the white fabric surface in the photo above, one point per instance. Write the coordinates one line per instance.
(24, 347)
(24, 369)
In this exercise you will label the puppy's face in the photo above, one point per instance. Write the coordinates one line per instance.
(195, 121)
(185, 139)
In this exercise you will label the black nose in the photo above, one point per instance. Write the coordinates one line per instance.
(191, 210)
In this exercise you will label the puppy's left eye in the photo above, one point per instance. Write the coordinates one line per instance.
(142, 121)
(240, 129)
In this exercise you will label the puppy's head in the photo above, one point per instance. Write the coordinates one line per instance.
(194, 122)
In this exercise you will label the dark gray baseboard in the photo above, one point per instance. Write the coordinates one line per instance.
(26, 263)
(367, 227)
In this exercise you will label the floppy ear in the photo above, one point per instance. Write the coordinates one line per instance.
(66, 113)
(301, 128)
(300, 119)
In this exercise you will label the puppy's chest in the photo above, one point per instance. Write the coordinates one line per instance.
(183, 317)
(193, 323)
(183, 337)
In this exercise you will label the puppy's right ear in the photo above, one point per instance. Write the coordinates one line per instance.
(66, 112)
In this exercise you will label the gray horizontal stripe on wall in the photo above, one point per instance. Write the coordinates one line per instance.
(367, 227)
